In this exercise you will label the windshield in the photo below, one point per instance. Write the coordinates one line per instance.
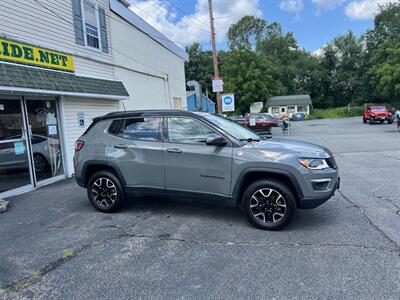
(378, 108)
(237, 131)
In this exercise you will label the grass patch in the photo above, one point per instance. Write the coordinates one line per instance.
(69, 254)
(336, 113)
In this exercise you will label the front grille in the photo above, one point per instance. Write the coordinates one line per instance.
(332, 162)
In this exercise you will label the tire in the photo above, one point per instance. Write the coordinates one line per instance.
(371, 121)
(40, 163)
(269, 215)
(390, 121)
(381, 121)
(364, 120)
(110, 194)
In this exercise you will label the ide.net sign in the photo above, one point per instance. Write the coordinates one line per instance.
(31, 55)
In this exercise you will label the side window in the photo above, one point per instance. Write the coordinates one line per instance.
(142, 129)
(187, 131)
(115, 127)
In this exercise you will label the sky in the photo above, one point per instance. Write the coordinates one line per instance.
(314, 22)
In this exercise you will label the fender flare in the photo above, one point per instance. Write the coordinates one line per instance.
(238, 185)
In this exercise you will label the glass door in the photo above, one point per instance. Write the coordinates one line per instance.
(15, 171)
(44, 135)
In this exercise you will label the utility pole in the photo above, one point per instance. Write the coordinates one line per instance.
(214, 53)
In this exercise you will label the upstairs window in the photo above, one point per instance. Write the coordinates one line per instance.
(91, 24)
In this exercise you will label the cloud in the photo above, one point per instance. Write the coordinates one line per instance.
(364, 9)
(319, 52)
(324, 5)
(189, 28)
(292, 6)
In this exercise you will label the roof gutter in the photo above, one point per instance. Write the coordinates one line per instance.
(62, 93)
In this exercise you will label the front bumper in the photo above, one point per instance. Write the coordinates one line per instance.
(320, 197)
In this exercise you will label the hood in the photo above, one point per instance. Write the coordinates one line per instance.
(293, 147)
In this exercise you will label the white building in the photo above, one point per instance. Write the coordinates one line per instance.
(154, 76)
(62, 63)
(289, 105)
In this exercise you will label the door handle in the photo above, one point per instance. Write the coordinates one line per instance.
(174, 150)
(120, 146)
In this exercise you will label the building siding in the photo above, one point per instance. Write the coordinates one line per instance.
(19, 21)
(91, 109)
(161, 71)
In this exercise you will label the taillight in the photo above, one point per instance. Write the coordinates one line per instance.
(79, 145)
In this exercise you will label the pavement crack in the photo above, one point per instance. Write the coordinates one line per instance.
(167, 237)
(371, 223)
(23, 283)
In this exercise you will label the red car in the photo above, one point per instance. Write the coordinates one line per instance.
(377, 113)
(259, 122)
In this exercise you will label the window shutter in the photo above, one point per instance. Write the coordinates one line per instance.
(103, 30)
(78, 23)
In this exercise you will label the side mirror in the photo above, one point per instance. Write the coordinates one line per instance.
(215, 140)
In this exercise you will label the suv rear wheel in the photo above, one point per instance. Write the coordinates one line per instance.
(105, 192)
(268, 204)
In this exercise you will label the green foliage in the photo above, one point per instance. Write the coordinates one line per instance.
(336, 113)
(250, 79)
(199, 67)
(246, 33)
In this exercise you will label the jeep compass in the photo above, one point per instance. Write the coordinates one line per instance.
(199, 155)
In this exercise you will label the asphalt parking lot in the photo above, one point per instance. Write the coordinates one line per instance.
(54, 245)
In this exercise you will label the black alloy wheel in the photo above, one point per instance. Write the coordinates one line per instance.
(105, 192)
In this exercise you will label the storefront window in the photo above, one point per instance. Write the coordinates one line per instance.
(14, 159)
(291, 109)
(45, 138)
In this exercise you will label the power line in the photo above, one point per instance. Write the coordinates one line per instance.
(187, 13)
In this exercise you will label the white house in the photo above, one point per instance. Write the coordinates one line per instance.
(62, 63)
(280, 105)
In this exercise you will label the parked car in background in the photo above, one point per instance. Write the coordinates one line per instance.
(200, 155)
(377, 113)
(259, 122)
(41, 145)
(297, 117)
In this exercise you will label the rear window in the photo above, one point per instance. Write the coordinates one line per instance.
(378, 108)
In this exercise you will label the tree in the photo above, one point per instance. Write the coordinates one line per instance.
(246, 33)
(382, 55)
(386, 76)
(250, 78)
(199, 67)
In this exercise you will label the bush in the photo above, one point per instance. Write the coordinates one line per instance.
(336, 113)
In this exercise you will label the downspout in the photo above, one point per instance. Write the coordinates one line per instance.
(197, 92)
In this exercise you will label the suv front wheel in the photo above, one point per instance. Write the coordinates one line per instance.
(105, 192)
(268, 204)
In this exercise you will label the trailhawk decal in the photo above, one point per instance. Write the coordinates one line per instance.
(36, 56)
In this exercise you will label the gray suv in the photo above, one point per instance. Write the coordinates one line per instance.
(199, 155)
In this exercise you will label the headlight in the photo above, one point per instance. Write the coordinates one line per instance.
(314, 163)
